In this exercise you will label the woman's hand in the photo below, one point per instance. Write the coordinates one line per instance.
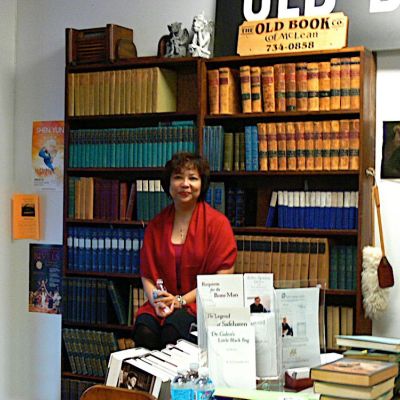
(164, 297)
(162, 310)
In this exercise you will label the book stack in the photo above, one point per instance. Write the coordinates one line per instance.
(294, 261)
(349, 378)
(313, 210)
(74, 388)
(140, 147)
(130, 91)
(314, 86)
(373, 348)
(104, 250)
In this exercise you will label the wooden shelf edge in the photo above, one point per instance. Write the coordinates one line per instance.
(71, 375)
(301, 232)
(105, 327)
(102, 274)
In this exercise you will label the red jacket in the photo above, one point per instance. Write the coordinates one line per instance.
(210, 246)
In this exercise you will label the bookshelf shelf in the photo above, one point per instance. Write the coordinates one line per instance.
(93, 378)
(105, 327)
(104, 222)
(281, 173)
(114, 275)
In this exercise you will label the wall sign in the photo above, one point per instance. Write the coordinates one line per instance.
(372, 23)
(284, 35)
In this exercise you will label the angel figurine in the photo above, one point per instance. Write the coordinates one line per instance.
(199, 47)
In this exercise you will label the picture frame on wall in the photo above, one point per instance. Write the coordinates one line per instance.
(390, 168)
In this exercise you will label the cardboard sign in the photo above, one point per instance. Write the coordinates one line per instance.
(289, 35)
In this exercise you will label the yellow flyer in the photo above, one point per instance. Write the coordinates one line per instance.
(48, 154)
(25, 216)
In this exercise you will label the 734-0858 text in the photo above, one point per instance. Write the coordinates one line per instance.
(289, 46)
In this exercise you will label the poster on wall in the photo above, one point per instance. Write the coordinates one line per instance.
(25, 216)
(45, 267)
(48, 155)
(391, 150)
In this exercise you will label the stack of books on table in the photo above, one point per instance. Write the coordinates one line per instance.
(352, 378)
(373, 348)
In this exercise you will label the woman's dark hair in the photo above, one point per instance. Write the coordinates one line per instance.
(183, 160)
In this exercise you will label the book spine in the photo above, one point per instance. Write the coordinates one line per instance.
(290, 86)
(262, 146)
(300, 146)
(345, 83)
(280, 91)
(335, 84)
(291, 146)
(248, 148)
(326, 145)
(355, 83)
(301, 87)
(272, 145)
(324, 85)
(281, 140)
(254, 148)
(318, 146)
(344, 148)
(354, 145)
(268, 88)
(256, 100)
(246, 89)
(313, 86)
(309, 145)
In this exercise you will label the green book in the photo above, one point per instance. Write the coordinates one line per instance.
(118, 303)
(228, 151)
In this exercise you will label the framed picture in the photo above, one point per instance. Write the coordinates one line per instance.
(45, 268)
(391, 150)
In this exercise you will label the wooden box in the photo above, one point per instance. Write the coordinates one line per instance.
(99, 45)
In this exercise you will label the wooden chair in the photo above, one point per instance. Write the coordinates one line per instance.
(102, 392)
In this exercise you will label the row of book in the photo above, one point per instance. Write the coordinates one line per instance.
(129, 91)
(111, 199)
(129, 147)
(313, 210)
(285, 146)
(88, 350)
(304, 86)
(100, 301)
(96, 249)
(72, 389)
(339, 321)
(343, 267)
(294, 261)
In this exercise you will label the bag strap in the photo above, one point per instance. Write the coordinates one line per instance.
(375, 193)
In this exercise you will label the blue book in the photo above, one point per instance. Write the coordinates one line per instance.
(254, 148)
(114, 250)
(270, 222)
(240, 207)
(339, 211)
(136, 251)
(70, 247)
(118, 303)
(312, 210)
(128, 251)
(318, 212)
(107, 250)
(95, 251)
(289, 220)
(248, 148)
(121, 250)
(302, 210)
(209, 194)
(88, 250)
(280, 209)
(100, 251)
(346, 211)
(307, 208)
(81, 249)
(332, 211)
(353, 210)
(219, 196)
(285, 208)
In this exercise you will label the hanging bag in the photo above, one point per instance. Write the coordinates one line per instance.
(377, 274)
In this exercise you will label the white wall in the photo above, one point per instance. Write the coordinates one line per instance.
(387, 109)
(40, 54)
(30, 343)
(8, 293)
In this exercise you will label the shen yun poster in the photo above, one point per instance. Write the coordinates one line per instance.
(48, 155)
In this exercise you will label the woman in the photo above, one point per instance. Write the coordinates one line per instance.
(188, 238)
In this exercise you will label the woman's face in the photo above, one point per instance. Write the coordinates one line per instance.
(185, 186)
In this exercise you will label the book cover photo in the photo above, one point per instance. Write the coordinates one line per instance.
(45, 284)
(348, 370)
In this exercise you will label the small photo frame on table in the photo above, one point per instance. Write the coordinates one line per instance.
(390, 168)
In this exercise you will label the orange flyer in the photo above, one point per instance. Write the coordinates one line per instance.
(48, 154)
(25, 216)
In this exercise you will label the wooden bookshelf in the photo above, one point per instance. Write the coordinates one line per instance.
(192, 104)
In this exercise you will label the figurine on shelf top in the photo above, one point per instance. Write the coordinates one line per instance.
(178, 40)
(200, 45)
